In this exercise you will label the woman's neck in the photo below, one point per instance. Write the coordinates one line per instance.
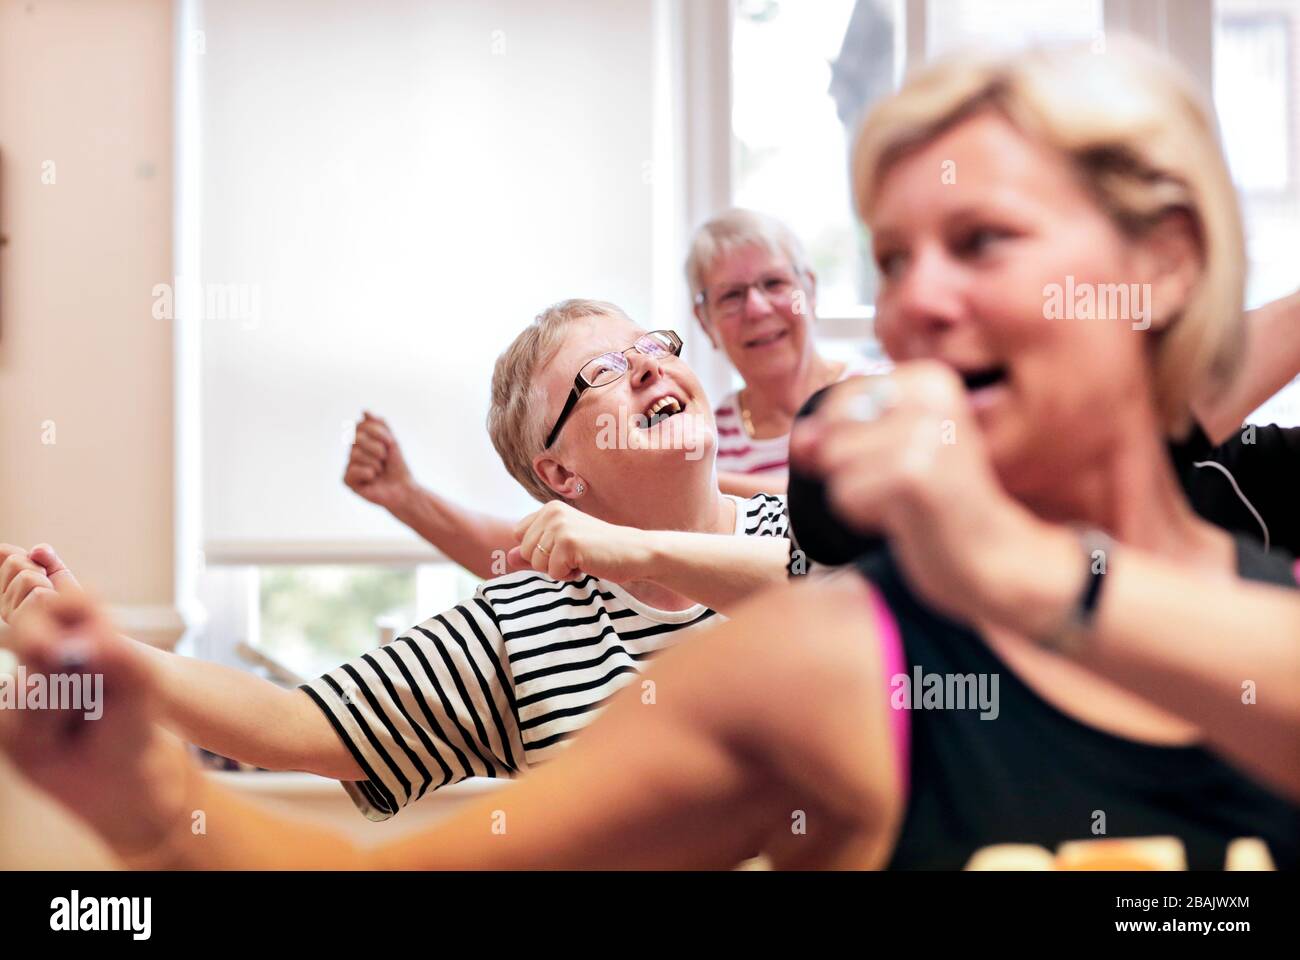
(1132, 492)
(693, 505)
(713, 513)
(772, 402)
(696, 506)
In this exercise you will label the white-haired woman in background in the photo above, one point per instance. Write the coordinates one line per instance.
(755, 294)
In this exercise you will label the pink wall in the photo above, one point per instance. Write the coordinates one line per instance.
(87, 86)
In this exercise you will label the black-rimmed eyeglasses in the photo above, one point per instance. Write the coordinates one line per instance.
(608, 368)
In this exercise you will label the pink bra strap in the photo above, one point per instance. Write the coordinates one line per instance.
(894, 662)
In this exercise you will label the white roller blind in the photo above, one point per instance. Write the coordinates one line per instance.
(389, 192)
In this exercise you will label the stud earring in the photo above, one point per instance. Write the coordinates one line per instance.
(582, 488)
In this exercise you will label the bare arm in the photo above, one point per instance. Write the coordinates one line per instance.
(706, 776)
(230, 712)
(718, 570)
(377, 472)
(473, 540)
(752, 484)
(1180, 638)
(238, 715)
(1272, 360)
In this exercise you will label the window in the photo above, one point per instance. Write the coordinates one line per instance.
(309, 616)
(803, 75)
(795, 99)
(952, 24)
(1256, 79)
(294, 621)
(1257, 98)
(371, 205)
(484, 173)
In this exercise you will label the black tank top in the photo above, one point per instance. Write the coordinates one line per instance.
(1035, 775)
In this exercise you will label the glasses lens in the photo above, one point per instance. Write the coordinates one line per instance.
(657, 344)
(778, 286)
(604, 369)
(730, 301)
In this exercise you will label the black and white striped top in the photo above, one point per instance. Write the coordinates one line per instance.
(499, 682)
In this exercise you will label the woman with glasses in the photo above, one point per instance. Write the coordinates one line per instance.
(755, 295)
(601, 422)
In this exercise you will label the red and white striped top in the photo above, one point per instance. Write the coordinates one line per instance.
(740, 453)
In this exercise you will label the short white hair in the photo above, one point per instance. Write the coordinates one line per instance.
(516, 417)
(735, 229)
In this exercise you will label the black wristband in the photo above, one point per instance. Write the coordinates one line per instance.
(1069, 639)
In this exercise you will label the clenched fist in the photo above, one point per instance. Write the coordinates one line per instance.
(102, 756)
(376, 469)
(566, 543)
(903, 456)
(30, 580)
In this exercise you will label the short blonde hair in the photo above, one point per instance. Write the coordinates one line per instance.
(517, 412)
(732, 230)
(1142, 142)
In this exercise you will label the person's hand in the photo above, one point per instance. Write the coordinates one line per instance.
(902, 456)
(376, 469)
(29, 580)
(566, 543)
(101, 755)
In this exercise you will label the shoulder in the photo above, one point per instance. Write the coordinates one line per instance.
(1275, 565)
(763, 515)
(859, 366)
(531, 597)
(1261, 446)
(1273, 444)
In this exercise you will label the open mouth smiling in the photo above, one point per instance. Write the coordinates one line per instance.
(976, 380)
(663, 408)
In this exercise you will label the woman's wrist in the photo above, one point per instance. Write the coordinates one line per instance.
(648, 552)
(1034, 579)
(406, 505)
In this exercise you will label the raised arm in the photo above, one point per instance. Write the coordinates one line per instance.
(1272, 361)
(797, 762)
(717, 570)
(1219, 652)
(230, 712)
(377, 472)
(238, 715)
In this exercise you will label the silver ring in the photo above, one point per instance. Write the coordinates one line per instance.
(880, 396)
